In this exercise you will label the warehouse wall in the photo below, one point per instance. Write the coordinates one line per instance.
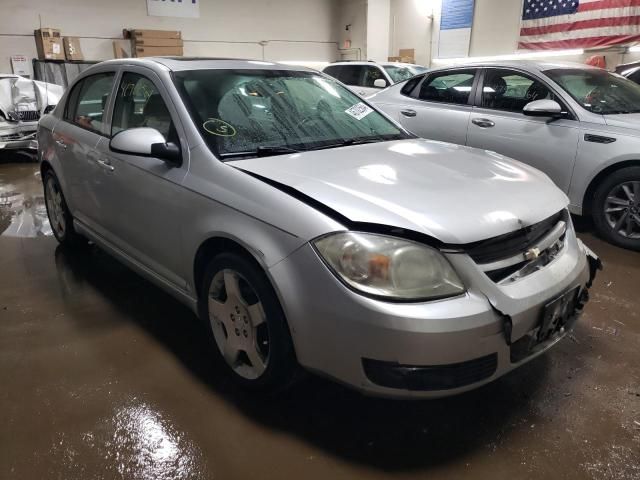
(354, 14)
(414, 25)
(294, 29)
(378, 17)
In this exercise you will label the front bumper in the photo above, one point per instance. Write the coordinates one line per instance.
(18, 136)
(423, 350)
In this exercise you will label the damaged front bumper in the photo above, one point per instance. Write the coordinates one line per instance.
(19, 136)
(438, 348)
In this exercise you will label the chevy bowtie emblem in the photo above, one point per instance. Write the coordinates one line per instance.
(532, 254)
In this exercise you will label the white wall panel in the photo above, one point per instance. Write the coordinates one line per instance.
(98, 22)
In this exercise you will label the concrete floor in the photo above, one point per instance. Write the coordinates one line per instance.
(102, 375)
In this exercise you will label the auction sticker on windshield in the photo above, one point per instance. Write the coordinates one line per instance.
(359, 110)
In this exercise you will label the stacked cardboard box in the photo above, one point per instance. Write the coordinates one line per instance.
(152, 43)
(406, 55)
(49, 44)
(72, 48)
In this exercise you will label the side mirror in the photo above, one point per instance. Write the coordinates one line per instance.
(146, 142)
(542, 108)
(380, 83)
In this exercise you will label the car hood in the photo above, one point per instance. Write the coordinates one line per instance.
(453, 193)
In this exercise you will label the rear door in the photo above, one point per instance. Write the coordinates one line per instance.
(498, 124)
(439, 107)
(76, 138)
(146, 208)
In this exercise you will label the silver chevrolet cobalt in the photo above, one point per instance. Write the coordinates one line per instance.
(307, 229)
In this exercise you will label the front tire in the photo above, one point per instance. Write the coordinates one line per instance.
(59, 215)
(616, 208)
(250, 333)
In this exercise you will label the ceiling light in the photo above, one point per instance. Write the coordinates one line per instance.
(513, 56)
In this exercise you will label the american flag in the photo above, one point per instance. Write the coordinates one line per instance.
(566, 24)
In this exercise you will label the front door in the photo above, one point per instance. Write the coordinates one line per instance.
(498, 124)
(146, 211)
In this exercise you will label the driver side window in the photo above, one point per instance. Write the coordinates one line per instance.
(139, 104)
(510, 90)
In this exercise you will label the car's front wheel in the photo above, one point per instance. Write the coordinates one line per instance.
(248, 325)
(616, 208)
(59, 215)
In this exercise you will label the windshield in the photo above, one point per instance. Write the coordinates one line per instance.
(598, 90)
(399, 73)
(262, 112)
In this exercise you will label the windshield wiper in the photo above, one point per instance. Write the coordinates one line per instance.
(261, 152)
(349, 142)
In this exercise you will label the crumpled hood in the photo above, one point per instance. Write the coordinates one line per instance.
(21, 94)
(453, 193)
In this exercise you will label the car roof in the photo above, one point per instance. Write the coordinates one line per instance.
(532, 65)
(381, 64)
(176, 64)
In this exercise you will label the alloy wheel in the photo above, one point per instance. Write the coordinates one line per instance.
(239, 324)
(55, 208)
(622, 209)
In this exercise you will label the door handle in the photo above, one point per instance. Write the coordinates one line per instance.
(483, 122)
(106, 163)
(61, 143)
(409, 113)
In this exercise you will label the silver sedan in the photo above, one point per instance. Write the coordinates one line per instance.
(307, 229)
(578, 124)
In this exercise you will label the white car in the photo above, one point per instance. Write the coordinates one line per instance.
(22, 103)
(367, 78)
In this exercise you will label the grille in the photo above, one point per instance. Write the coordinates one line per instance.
(510, 244)
(11, 136)
(25, 116)
(430, 378)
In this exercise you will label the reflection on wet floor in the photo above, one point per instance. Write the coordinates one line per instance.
(22, 209)
(104, 376)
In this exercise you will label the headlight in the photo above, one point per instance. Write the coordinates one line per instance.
(389, 267)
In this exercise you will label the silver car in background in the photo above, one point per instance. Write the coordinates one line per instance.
(307, 229)
(578, 124)
(367, 78)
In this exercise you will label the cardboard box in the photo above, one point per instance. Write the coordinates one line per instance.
(158, 42)
(72, 48)
(136, 34)
(158, 51)
(407, 52)
(402, 59)
(49, 44)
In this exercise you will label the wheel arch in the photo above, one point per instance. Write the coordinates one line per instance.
(587, 201)
(220, 244)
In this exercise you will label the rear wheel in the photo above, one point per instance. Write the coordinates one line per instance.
(59, 215)
(249, 329)
(616, 208)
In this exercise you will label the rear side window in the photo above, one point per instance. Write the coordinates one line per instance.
(448, 87)
(410, 86)
(635, 77)
(88, 100)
